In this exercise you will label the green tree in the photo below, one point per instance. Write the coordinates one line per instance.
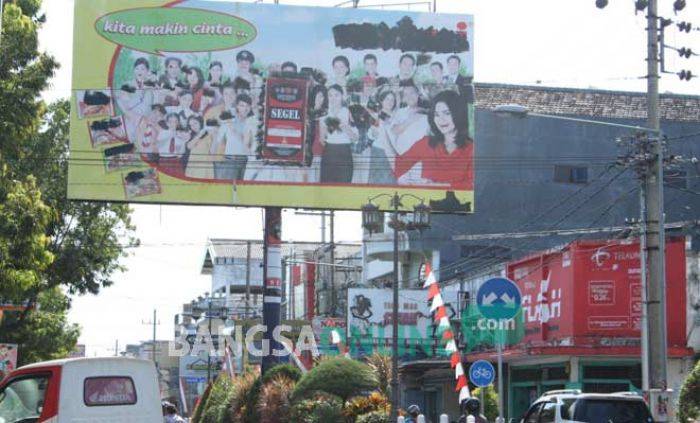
(339, 376)
(381, 367)
(689, 401)
(216, 409)
(69, 247)
(490, 401)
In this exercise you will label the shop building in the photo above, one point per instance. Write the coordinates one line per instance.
(580, 327)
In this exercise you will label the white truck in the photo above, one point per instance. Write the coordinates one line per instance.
(82, 390)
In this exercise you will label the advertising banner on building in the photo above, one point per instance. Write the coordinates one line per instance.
(8, 359)
(370, 322)
(203, 102)
(589, 294)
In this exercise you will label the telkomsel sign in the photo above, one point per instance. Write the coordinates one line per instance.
(202, 102)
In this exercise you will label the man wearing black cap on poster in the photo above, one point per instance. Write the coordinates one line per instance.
(244, 62)
(244, 70)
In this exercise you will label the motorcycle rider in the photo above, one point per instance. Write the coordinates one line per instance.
(471, 407)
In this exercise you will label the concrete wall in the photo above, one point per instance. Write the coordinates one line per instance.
(515, 160)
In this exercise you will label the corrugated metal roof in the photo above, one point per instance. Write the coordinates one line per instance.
(587, 102)
(238, 249)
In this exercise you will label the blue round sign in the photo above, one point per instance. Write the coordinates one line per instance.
(482, 373)
(498, 298)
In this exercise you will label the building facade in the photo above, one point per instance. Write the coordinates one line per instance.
(542, 183)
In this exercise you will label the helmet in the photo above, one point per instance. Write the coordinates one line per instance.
(471, 405)
(413, 409)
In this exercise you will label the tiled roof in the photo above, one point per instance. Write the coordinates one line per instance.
(587, 102)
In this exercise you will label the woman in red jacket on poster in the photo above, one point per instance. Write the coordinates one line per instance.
(446, 155)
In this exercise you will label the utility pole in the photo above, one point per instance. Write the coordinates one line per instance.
(209, 316)
(116, 348)
(332, 267)
(655, 248)
(395, 394)
(155, 322)
(247, 280)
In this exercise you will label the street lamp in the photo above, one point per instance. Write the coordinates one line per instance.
(372, 220)
(653, 289)
(421, 217)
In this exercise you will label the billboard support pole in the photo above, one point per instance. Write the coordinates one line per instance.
(334, 293)
(247, 281)
(499, 346)
(272, 275)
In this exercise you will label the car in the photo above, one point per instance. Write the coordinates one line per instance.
(113, 390)
(573, 406)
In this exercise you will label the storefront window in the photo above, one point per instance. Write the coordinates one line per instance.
(526, 375)
(555, 373)
(610, 378)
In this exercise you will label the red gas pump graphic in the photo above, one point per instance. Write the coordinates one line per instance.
(285, 119)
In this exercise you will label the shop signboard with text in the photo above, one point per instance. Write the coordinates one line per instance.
(370, 314)
(211, 102)
(8, 359)
(590, 294)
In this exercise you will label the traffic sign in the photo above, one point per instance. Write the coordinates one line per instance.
(481, 373)
(498, 298)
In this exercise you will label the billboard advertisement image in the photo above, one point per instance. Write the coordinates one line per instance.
(370, 330)
(8, 359)
(203, 102)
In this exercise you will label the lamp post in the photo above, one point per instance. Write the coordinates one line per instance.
(653, 286)
(373, 220)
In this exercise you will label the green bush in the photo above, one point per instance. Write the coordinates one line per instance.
(342, 377)
(289, 371)
(374, 417)
(217, 406)
(322, 408)
(490, 401)
(243, 402)
(200, 406)
(274, 401)
(381, 366)
(689, 401)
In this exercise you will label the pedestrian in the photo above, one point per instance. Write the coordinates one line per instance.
(413, 413)
(170, 414)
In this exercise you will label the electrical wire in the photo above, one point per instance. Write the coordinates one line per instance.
(462, 263)
(559, 250)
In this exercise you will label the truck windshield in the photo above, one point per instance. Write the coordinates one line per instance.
(23, 399)
(611, 411)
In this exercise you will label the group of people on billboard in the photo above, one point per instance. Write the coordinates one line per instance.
(203, 120)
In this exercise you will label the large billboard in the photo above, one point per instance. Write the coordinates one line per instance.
(369, 327)
(203, 102)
